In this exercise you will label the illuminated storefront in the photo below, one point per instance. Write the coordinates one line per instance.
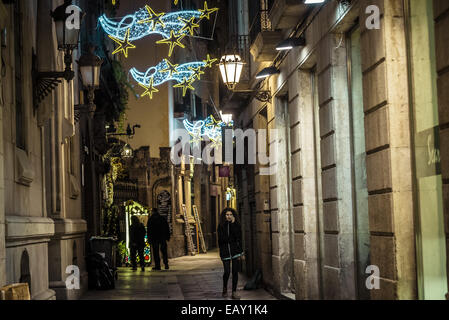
(132, 208)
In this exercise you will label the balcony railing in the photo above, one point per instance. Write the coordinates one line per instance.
(260, 23)
(240, 45)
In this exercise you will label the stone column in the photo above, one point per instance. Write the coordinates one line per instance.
(338, 259)
(188, 195)
(388, 149)
(303, 162)
(280, 197)
(263, 216)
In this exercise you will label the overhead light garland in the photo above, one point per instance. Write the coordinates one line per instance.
(184, 74)
(171, 26)
(210, 128)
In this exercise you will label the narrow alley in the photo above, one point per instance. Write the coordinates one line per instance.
(302, 143)
(189, 278)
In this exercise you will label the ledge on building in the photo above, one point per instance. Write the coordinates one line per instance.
(69, 227)
(285, 14)
(264, 47)
(28, 229)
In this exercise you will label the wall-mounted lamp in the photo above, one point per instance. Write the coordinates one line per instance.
(267, 72)
(127, 151)
(291, 43)
(231, 67)
(67, 36)
(90, 66)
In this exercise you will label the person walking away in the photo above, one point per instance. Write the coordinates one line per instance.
(158, 235)
(230, 244)
(137, 243)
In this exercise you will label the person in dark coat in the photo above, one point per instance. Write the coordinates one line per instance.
(230, 244)
(158, 235)
(137, 242)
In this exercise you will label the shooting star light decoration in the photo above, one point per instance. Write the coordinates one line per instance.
(210, 128)
(172, 27)
(184, 74)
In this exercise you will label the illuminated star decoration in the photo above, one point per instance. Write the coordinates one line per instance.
(176, 2)
(145, 22)
(189, 25)
(197, 72)
(171, 68)
(209, 62)
(210, 128)
(185, 84)
(205, 13)
(149, 90)
(154, 18)
(173, 41)
(124, 45)
(166, 71)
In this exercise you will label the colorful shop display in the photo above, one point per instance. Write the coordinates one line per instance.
(133, 208)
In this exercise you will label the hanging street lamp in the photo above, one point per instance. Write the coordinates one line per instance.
(127, 151)
(90, 66)
(231, 67)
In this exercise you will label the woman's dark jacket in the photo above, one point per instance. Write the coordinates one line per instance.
(137, 235)
(230, 240)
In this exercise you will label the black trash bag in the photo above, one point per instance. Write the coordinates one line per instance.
(254, 282)
(100, 275)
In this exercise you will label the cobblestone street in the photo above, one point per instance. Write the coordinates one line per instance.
(189, 278)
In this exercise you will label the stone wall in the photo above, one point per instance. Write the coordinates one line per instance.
(42, 180)
(388, 161)
(28, 230)
(3, 13)
(441, 12)
(338, 263)
(321, 213)
(303, 162)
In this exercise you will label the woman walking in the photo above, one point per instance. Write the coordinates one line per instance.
(230, 243)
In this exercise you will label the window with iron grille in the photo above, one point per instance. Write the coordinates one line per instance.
(258, 18)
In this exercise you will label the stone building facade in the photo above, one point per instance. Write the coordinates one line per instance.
(359, 181)
(42, 228)
(51, 152)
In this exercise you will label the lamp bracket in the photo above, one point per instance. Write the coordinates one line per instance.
(45, 82)
(263, 96)
(260, 95)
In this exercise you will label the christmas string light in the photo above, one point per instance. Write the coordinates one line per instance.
(140, 30)
(210, 127)
(170, 26)
(184, 74)
(166, 71)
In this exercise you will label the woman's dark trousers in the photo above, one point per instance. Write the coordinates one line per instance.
(227, 272)
(134, 251)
